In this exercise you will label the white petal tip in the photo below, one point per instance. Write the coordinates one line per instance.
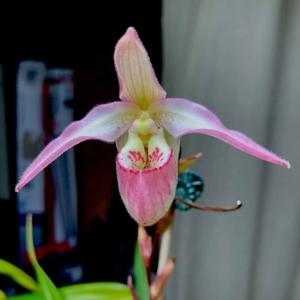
(284, 163)
(198, 155)
(131, 31)
(131, 35)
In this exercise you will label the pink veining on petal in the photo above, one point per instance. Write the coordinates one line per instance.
(137, 79)
(105, 122)
(148, 194)
(181, 117)
(136, 158)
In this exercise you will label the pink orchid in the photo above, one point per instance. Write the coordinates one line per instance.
(146, 127)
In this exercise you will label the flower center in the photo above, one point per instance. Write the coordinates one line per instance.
(146, 146)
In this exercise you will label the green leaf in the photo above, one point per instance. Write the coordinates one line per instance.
(2, 295)
(87, 291)
(97, 291)
(18, 275)
(48, 289)
(141, 283)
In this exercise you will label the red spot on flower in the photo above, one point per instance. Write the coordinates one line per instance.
(155, 156)
(136, 158)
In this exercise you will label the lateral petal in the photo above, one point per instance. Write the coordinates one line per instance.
(105, 122)
(181, 116)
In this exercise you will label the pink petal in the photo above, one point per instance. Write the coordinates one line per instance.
(105, 122)
(181, 116)
(148, 194)
(136, 76)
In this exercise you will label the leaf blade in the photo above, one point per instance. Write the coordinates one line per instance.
(48, 289)
(18, 275)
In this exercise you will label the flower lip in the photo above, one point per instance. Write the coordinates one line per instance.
(149, 193)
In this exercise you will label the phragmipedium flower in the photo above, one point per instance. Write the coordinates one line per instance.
(146, 126)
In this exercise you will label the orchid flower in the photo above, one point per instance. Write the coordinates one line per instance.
(146, 126)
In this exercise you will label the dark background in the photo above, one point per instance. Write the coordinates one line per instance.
(83, 39)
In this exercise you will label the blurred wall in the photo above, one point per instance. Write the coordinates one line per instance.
(242, 60)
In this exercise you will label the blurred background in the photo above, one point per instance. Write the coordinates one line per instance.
(238, 58)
